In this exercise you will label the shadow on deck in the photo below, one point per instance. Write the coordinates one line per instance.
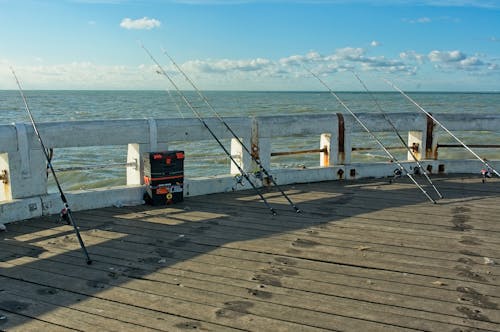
(363, 255)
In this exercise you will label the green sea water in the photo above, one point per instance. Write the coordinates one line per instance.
(206, 158)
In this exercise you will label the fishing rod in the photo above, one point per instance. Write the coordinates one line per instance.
(200, 118)
(66, 211)
(388, 119)
(402, 168)
(255, 159)
(485, 163)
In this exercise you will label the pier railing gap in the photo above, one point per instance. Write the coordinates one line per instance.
(23, 180)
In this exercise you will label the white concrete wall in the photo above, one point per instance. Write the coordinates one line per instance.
(23, 192)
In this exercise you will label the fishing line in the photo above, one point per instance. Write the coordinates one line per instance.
(386, 117)
(200, 118)
(485, 163)
(172, 99)
(402, 168)
(66, 211)
(219, 117)
(175, 102)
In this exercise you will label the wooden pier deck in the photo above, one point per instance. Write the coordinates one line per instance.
(363, 256)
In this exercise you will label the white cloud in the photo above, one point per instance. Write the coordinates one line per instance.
(298, 59)
(471, 62)
(226, 65)
(348, 53)
(457, 60)
(446, 56)
(348, 58)
(375, 43)
(412, 56)
(140, 24)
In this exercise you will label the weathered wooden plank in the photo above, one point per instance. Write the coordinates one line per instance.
(481, 223)
(266, 266)
(339, 304)
(343, 255)
(10, 321)
(59, 316)
(157, 253)
(233, 310)
(202, 249)
(355, 258)
(438, 261)
(136, 318)
(373, 232)
(326, 232)
(339, 272)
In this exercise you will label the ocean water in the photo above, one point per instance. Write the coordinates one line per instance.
(206, 158)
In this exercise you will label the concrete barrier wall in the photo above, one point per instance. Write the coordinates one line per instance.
(23, 184)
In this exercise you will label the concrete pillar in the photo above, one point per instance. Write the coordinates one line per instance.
(27, 167)
(135, 175)
(25, 174)
(134, 154)
(241, 156)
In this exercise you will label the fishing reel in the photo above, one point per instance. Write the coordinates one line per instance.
(64, 216)
(397, 174)
(238, 181)
(261, 175)
(258, 175)
(486, 173)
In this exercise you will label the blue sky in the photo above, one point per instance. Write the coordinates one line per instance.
(423, 45)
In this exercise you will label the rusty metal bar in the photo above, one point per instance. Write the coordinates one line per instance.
(325, 150)
(341, 142)
(287, 153)
(326, 157)
(4, 176)
(429, 153)
(387, 147)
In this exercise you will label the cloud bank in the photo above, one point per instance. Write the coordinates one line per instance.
(267, 74)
